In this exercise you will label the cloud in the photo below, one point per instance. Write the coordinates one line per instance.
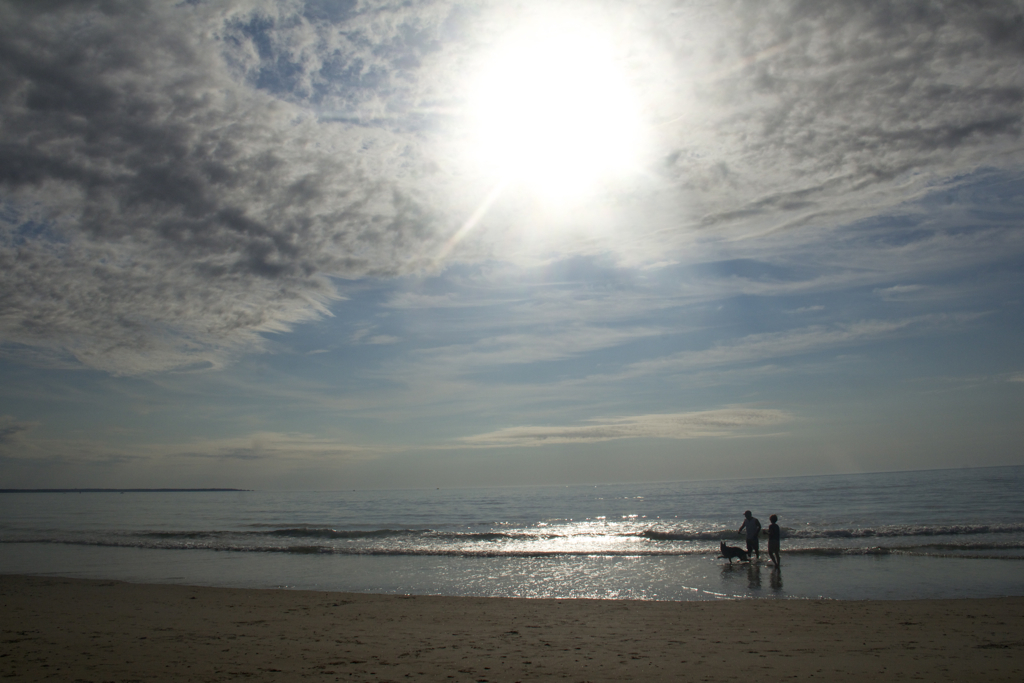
(271, 446)
(11, 429)
(808, 110)
(382, 339)
(420, 301)
(160, 212)
(28, 449)
(768, 345)
(365, 336)
(898, 292)
(566, 341)
(277, 447)
(178, 180)
(703, 424)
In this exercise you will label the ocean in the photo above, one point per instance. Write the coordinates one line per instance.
(894, 535)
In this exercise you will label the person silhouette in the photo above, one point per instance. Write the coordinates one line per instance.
(753, 527)
(774, 534)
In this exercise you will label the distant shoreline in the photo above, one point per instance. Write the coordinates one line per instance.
(114, 490)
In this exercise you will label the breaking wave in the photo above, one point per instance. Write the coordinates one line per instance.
(962, 541)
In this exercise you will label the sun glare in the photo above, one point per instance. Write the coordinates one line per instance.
(553, 111)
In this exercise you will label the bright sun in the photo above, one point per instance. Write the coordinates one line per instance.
(553, 111)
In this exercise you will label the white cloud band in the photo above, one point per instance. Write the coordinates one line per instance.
(703, 424)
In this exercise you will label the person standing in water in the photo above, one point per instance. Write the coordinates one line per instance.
(773, 540)
(753, 528)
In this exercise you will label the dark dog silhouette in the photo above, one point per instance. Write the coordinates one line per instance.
(731, 551)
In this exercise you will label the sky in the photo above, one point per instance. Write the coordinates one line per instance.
(315, 244)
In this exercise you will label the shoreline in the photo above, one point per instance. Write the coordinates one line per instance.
(671, 578)
(96, 630)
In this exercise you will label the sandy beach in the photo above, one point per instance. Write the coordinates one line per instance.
(85, 630)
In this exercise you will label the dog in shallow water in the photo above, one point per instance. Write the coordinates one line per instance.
(731, 551)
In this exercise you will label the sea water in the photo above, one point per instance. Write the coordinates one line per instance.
(925, 534)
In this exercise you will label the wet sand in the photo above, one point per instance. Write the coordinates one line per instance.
(84, 630)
